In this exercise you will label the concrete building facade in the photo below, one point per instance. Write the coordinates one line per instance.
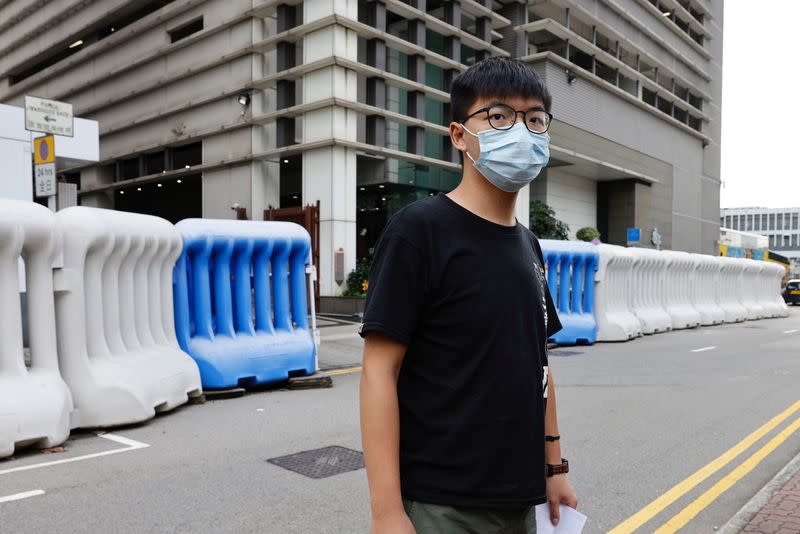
(209, 105)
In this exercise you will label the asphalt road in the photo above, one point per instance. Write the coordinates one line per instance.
(636, 419)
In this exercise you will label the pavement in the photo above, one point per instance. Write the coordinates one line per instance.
(773, 510)
(674, 432)
(781, 515)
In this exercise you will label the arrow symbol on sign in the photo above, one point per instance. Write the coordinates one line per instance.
(48, 118)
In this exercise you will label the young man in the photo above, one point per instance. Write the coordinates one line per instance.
(456, 395)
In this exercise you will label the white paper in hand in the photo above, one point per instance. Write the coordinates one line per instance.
(570, 522)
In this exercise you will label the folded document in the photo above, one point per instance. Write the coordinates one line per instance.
(571, 521)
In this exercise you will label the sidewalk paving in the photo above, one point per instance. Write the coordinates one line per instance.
(781, 515)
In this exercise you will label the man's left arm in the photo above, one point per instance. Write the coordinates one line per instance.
(559, 490)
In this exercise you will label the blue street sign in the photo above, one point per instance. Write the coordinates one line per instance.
(634, 235)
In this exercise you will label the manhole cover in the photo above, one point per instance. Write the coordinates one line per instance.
(321, 463)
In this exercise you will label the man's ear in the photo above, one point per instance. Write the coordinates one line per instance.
(457, 137)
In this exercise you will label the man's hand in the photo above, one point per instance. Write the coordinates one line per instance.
(559, 491)
(394, 524)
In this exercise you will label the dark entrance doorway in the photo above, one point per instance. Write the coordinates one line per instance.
(172, 199)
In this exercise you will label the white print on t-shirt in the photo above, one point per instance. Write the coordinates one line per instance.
(540, 280)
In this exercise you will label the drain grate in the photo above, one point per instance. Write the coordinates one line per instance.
(321, 463)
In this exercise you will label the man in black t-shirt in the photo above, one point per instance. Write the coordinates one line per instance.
(458, 413)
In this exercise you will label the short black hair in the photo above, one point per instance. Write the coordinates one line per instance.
(495, 77)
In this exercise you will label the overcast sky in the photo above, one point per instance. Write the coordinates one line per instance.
(760, 108)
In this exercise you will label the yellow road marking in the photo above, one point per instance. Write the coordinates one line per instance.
(347, 371)
(682, 518)
(657, 506)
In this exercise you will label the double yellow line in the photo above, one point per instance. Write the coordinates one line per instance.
(348, 371)
(682, 518)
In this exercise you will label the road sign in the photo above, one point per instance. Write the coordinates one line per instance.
(44, 150)
(634, 235)
(48, 116)
(45, 180)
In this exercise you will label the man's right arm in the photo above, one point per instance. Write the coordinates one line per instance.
(380, 432)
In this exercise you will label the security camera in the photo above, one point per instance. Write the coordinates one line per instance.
(235, 206)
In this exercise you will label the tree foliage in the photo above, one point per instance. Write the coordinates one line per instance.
(544, 224)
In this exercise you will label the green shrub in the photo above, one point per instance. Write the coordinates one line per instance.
(357, 284)
(587, 234)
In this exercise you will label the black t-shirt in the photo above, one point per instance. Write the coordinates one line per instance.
(470, 300)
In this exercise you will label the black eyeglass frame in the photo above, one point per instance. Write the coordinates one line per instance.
(516, 112)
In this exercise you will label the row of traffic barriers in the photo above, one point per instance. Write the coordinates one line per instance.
(643, 291)
(109, 346)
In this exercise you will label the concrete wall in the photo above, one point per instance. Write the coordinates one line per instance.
(573, 198)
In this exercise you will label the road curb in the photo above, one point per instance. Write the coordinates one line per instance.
(754, 505)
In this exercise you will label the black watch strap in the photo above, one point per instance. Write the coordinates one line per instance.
(558, 469)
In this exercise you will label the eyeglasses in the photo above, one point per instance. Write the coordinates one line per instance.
(503, 117)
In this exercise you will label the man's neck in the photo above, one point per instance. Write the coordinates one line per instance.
(483, 199)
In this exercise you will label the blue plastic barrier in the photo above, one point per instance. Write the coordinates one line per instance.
(240, 301)
(571, 266)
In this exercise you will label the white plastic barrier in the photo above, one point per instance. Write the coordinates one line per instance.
(613, 311)
(707, 280)
(648, 285)
(748, 288)
(35, 404)
(114, 316)
(770, 290)
(680, 284)
(727, 291)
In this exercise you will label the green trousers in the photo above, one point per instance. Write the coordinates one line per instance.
(439, 519)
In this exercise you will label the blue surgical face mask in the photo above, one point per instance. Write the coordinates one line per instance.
(511, 159)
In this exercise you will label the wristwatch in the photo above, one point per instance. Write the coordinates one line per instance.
(558, 469)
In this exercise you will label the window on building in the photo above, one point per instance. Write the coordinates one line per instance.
(468, 23)
(469, 55)
(764, 221)
(184, 31)
(771, 221)
(780, 222)
(794, 221)
(757, 223)
(749, 222)
(434, 42)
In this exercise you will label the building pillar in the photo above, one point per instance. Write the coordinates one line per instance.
(329, 172)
